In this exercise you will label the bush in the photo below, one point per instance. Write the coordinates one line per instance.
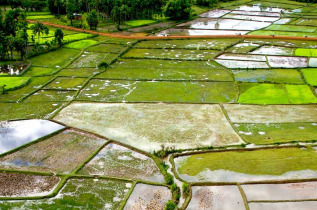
(169, 179)
(186, 189)
(170, 205)
(176, 193)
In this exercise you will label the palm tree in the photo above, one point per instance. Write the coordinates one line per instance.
(38, 28)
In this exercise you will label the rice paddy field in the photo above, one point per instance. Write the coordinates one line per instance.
(196, 122)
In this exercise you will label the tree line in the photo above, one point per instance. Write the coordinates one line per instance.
(14, 36)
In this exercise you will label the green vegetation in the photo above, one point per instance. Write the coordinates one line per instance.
(39, 110)
(193, 44)
(39, 17)
(136, 23)
(262, 94)
(12, 83)
(81, 44)
(66, 83)
(258, 162)
(300, 94)
(306, 52)
(178, 54)
(277, 132)
(76, 194)
(106, 48)
(55, 59)
(139, 91)
(310, 76)
(51, 95)
(148, 69)
(297, 28)
(283, 33)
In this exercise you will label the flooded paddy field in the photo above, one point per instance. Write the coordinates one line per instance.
(148, 126)
(205, 123)
(62, 152)
(80, 193)
(216, 197)
(24, 185)
(118, 161)
(16, 133)
(148, 197)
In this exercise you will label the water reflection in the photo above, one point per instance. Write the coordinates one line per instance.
(16, 133)
(14, 69)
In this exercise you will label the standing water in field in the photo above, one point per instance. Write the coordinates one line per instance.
(13, 69)
(16, 133)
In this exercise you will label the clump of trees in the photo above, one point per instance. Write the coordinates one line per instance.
(13, 34)
(206, 3)
(92, 20)
(178, 9)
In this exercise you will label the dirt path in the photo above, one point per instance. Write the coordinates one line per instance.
(175, 37)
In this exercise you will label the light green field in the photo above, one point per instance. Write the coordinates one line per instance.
(66, 83)
(136, 23)
(310, 76)
(81, 44)
(262, 94)
(12, 83)
(39, 17)
(300, 94)
(306, 52)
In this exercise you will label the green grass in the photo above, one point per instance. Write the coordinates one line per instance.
(40, 71)
(39, 110)
(15, 95)
(39, 17)
(272, 75)
(75, 194)
(310, 76)
(13, 82)
(136, 23)
(300, 94)
(302, 21)
(107, 48)
(259, 162)
(79, 72)
(283, 33)
(55, 59)
(306, 52)
(291, 28)
(51, 96)
(262, 94)
(277, 132)
(147, 69)
(66, 83)
(137, 91)
(81, 44)
(92, 59)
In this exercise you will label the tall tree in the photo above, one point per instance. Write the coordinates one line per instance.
(59, 36)
(71, 8)
(178, 9)
(92, 20)
(38, 28)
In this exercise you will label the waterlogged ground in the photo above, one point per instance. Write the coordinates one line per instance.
(149, 126)
(79, 126)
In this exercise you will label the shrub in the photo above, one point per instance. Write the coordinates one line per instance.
(185, 189)
(170, 205)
